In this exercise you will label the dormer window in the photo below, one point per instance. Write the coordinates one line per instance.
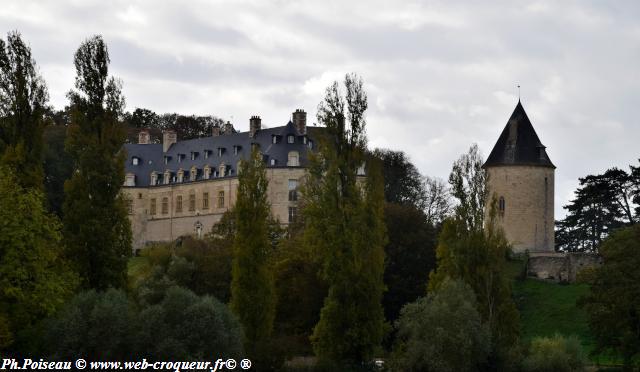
(222, 170)
(154, 178)
(274, 139)
(274, 162)
(130, 179)
(135, 160)
(180, 176)
(180, 157)
(291, 138)
(220, 151)
(304, 139)
(206, 172)
(236, 149)
(215, 173)
(293, 160)
(207, 153)
(193, 174)
(310, 144)
(166, 159)
(167, 177)
(194, 155)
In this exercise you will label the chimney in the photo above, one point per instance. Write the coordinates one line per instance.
(169, 137)
(228, 128)
(255, 124)
(215, 130)
(143, 137)
(300, 121)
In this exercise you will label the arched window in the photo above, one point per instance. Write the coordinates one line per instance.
(293, 159)
(501, 205)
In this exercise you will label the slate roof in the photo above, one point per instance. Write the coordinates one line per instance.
(151, 158)
(519, 144)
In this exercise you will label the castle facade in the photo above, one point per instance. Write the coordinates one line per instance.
(184, 187)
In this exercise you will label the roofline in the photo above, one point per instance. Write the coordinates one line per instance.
(485, 166)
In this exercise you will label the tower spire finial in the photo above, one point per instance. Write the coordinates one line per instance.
(518, 92)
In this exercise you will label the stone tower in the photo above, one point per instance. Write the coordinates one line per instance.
(521, 178)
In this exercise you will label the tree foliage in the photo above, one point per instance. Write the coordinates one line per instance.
(613, 304)
(252, 288)
(96, 227)
(402, 181)
(34, 279)
(468, 186)
(410, 256)
(602, 204)
(344, 225)
(108, 326)
(58, 167)
(443, 332)
(23, 99)
(475, 251)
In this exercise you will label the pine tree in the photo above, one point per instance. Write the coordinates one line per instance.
(23, 99)
(344, 224)
(253, 297)
(96, 227)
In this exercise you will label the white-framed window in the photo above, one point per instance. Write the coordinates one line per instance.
(220, 151)
(293, 160)
(293, 214)
(274, 139)
(180, 176)
(135, 160)
(291, 138)
(274, 162)
(207, 172)
(154, 178)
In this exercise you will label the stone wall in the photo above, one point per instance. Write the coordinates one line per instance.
(560, 267)
(147, 227)
(528, 217)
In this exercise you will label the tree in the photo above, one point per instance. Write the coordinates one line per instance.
(437, 200)
(34, 279)
(344, 225)
(410, 256)
(96, 227)
(602, 204)
(557, 353)
(402, 182)
(58, 167)
(475, 251)
(468, 185)
(442, 332)
(23, 98)
(252, 288)
(613, 304)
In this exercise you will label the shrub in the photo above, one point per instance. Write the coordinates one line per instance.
(555, 354)
(442, 332)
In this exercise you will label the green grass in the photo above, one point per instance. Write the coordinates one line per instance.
(137, 269)
(547, 308)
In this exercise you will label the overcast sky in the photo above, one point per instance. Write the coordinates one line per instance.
(439, 76)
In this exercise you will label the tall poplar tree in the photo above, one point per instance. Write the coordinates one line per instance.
(23, 99)
(253, 297)
(96, 227)
(344, 225)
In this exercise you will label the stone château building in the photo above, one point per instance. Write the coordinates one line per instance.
(184, 187)
(521, 178)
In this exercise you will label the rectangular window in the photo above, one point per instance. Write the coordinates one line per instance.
(192, 202)
(221, 199)
(291, 139)
(130, 205)
(293, 190)
(179, 204)
(152, 206)
(293, 214)
(205, 200)
(165, 205)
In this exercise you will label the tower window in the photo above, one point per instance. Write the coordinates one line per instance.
(293, 190)
(501, 205)
(293, 214)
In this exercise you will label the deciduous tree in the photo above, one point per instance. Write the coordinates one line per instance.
(23, 99)
(96, 227)
(344, 225)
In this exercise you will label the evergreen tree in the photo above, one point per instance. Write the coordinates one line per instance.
(34, 279)
(344, 224)
(23, 98)
(252, 289)
(96, 227)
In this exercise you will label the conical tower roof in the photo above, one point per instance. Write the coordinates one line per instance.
(518, 144)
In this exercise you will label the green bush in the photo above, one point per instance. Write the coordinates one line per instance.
(442, 332)
(555, 354)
